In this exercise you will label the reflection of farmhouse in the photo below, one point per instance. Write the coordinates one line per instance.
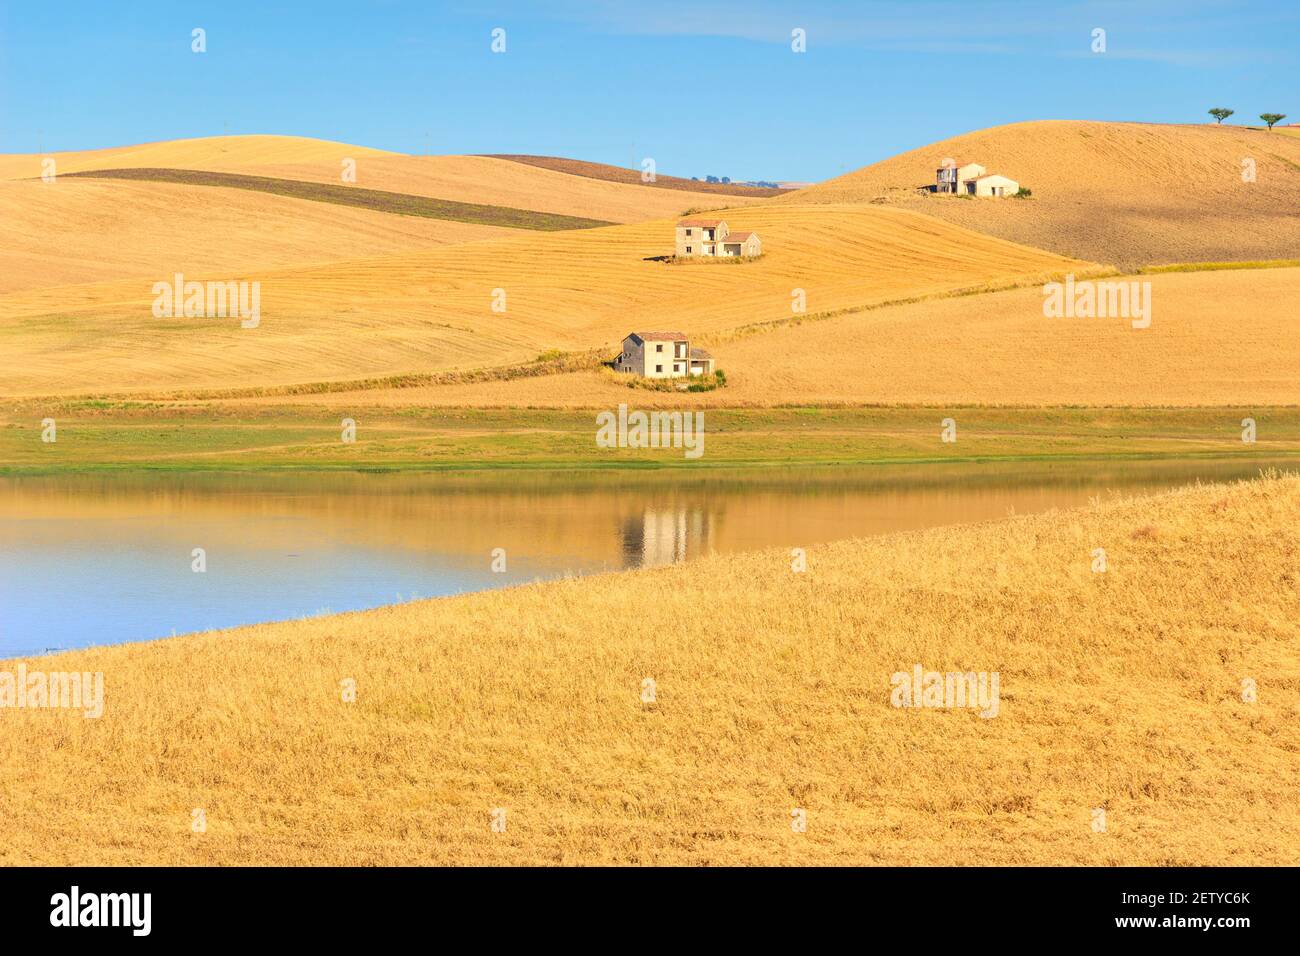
(711, 237)
(662, 355)
(972, 180)
(659, 537)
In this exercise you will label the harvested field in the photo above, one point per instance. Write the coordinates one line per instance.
(497, 181)
(1121, 690)
(433, 310)
(468, 179)
(617, 174)
(1124, 194)
(92, 230)
(375, 200)
(207, 152)
(1222, 338)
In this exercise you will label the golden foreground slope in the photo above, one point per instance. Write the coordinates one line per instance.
(434, 310)
(1127, 194)
(1216, 338)
(86, 230)
(475, 179)
(1120, 691)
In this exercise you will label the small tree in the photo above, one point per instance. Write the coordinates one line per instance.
(1271, 118)
(1220, 114)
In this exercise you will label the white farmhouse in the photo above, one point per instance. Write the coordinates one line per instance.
(972, 179)
(662, 355)
(712, 237)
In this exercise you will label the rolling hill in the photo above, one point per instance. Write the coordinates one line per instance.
(86, 230)
(619, 174)
(1127, 194)
(1216, 338)
(471, 179)
(400, 204)
(433, 309)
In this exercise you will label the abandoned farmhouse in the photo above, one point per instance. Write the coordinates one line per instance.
(972, 179)
(711, 237)
(662, 355)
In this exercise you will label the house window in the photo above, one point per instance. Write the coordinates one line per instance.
(688, 248)
(659, 368)
(659, 347)
(688, 232)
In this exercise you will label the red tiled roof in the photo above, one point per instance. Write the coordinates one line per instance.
(737, 236)
(698, 353)
(703, 223)
(660, 336)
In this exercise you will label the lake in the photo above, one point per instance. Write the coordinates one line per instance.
(100, 559)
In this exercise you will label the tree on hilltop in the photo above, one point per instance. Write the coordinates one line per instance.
(1220, 114)
(1271, 118)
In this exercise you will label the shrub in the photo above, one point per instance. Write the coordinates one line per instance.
(1024, 192)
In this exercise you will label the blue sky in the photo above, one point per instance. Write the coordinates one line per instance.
(710, 87)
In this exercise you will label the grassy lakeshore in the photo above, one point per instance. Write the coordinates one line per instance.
(1120, 691)
(94, 436)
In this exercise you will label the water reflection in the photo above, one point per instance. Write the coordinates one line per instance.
(101, 559)
(668, 535)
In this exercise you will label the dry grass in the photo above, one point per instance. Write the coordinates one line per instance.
(83, 230)
(620, 174)
(1126, 194)
(378, 200)
(1120, 690)
(432, 310)
(207, 152)
(1216, 338)
(472, 179)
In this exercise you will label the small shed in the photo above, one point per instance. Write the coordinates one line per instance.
(742, 244)
(992, 185)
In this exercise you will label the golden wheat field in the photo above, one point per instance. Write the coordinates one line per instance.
(87, 230)
(1124, 194)
(230, 153)
(434, 309)
(475, 179)
(1121, 690)
(1216, 338)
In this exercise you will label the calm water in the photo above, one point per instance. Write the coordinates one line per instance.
(99, 560)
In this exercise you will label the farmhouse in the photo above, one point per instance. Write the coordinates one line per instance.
(662, 355)
(972, 179)
(712, 237)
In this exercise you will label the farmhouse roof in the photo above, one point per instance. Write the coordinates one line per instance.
(699, 353)
(737, 236)
(659, 336)
(703, 223)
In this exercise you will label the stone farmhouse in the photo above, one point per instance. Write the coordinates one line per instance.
(972, 179)
(711, 237)
(662, 355)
